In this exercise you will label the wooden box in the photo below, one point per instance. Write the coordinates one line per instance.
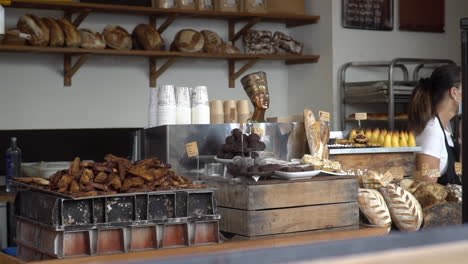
(280, 207)
(296, 7)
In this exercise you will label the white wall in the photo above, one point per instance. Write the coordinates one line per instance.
(113, 91)
(362, 45)
(310, 84)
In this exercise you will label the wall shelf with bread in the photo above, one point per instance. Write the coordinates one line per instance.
(63, 36)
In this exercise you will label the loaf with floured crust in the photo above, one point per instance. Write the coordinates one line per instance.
(148, 38)
(35, 27)
(117, 37)
(405, 210)
(72, 35)
(91, 39)
(373, 206)
(189, 40)
(57, 37)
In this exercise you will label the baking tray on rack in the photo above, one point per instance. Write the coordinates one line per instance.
(378, 88)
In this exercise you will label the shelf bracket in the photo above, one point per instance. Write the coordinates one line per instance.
(81, 17)
(155, 73)
(233, 36)
(233, 75)
(70, 70)
(167, 23)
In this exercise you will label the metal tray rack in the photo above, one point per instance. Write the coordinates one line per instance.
(64, 214)
(390, 91)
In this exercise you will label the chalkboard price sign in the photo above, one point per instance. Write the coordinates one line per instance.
(368, 14)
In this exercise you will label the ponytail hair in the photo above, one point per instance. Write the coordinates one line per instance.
(429, 93)
(420, 108)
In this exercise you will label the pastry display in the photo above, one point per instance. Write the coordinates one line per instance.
(36, 28)
(374, 208)
(321, 164)
(361, 139)
(405, 210)
(188, 40)
(147, 37)
(376, 138)
(57, 36)
(115, 175)
(117, 37)
(247, 167)
(91, 39)
(287, 44)
(72, 35)
(239, 144)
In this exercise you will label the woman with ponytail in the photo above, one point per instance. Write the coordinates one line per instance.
(434, 102)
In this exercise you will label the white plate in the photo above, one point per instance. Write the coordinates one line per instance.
(223, 161)
(334, 173)
(297, 175)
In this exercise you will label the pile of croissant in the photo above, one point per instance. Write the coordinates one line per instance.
(408, 204)
(115, 175)
(52, 32)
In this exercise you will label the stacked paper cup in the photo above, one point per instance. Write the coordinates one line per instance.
(216, 112)
(243, 111)
(200, 105)
(184, 111)
(166, 112)
(153, 108)
(230, 111)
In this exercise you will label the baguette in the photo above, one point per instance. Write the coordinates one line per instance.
(405, 210)
(313, 138)
(373, 206)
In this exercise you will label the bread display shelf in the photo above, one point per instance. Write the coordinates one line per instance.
(78, 12)
(171, 57)
(72, 7)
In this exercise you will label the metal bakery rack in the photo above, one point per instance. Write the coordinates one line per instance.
(392, 91)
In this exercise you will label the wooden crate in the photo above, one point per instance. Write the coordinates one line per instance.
(400, 164)
(282, 207)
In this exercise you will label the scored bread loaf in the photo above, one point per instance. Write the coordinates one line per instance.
(91, 39)
(36, 28)
(229, 48)
(373, 206)
(189, 40)
(213, 41)
(117, 37)
(405, 210)
(72, 35)
(313, 133)
(148, 37)
(57, 37)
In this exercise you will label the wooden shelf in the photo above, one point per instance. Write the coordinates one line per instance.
(72, 7)
(77, 13)
(170, 56)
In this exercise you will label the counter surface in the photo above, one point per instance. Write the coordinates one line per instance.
(229, 246)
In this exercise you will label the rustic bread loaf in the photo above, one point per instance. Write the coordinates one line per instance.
(148, 37)
(373, 206)
(287, 43)
(189, 40)
(313, 134)
(213, 41)
(455, 193)
(117, 37)
(229, 48)
(409, 185)
(429, 194)
(405, 210)
(57, 37)
(91, 39)
(72, 35)
(36, 28)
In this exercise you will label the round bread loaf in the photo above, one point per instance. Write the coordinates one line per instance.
(117, 37)
(57, 37)
(148, 37)
(72, 35)
(212, 41)
(36, 28)
(228, 48)
(189, 40)
(91, 39)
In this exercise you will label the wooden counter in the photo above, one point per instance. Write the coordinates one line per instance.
(6, 197)
(229, 246)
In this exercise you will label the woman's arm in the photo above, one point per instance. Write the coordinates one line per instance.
(430, 163)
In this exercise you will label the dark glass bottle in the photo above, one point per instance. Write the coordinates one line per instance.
(13, 164)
